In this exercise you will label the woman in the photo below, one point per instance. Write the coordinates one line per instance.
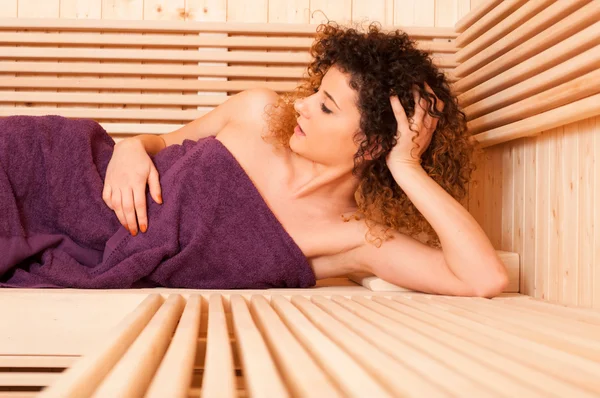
(352, 167)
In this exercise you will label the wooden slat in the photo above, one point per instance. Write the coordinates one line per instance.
(511, 376)
(543, 307)
(555, 214)
(109, 25)
(174, 374)
(527, 22)
(577, 66)
(525, 338)
(461, 356)
(219, 376)
(37, 361)
(508, 200)
(115, 98)
(587, 164)
(368, 325)
(528, 318)
(109, 54)
(83, 377)
(18, 394)
(123, 69)
(345, 370)
(529, 222)
(140, 128)
(560, 42)
(136, 84)
(132, 374)
(399, 379)
(596, 197)
(542, 213)
(565, 114)
(576, 89)
(302, 374)
(261, 376)
(560, 367)
(153, 40)
(475, 15)
(244, 57)
(520, 21)
(490, 19)
(115, 114)
(530, 330)
(27, 379)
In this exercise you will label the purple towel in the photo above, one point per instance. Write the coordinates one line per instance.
(214, 230)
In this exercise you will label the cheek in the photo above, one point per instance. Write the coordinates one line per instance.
(342, 145)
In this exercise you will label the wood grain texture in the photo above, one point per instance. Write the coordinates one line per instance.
(553, 183)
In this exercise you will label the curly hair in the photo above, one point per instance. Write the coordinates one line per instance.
(381, 64)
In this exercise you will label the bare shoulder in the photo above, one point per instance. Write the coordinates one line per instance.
(255, 103)
(248, 118)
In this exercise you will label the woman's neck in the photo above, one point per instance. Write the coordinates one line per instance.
(335, 185)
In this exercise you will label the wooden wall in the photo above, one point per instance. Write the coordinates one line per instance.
(540, 197)
(444, 13)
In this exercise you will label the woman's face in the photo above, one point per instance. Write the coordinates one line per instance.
(328, 121)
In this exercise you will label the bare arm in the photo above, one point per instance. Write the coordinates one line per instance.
(211, 123)
(467, 265)
(468, 262)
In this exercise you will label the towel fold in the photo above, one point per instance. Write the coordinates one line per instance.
(214, 230)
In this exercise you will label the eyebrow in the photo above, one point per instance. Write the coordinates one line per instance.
(331, 98)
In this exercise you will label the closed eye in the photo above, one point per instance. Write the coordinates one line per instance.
(325, 109)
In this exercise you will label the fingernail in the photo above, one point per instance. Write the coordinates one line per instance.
(160, 200)
(133, 232)
(143, 228)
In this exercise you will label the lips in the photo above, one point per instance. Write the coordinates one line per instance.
(298, 130)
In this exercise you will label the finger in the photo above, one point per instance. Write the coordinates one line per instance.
(106, 195)
(117, 207)
(420, 106)
(139, 200)
(154, 185)
(129, 210)
(399, 113)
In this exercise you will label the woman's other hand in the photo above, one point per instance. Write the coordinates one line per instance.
(128, 172)
(410, 146)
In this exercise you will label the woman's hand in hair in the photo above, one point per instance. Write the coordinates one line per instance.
(410, 145)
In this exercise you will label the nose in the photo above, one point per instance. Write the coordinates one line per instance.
(300, 107)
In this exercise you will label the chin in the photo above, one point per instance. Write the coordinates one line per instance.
(293, 143)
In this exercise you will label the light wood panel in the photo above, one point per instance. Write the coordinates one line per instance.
(442, 13)
(550, 192)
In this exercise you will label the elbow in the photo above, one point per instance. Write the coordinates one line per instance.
(493, 287)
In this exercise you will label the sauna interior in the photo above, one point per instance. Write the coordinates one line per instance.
(526, 73)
